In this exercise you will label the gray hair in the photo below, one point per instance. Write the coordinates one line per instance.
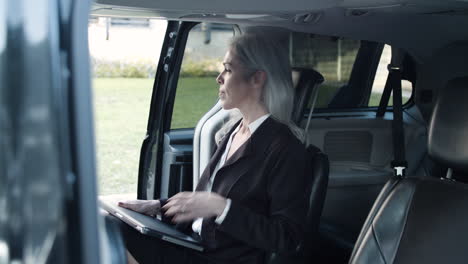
(268, 53)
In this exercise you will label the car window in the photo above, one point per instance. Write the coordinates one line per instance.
(336, 59)
(197, 90)
(124, 54)
(332, 57)
(381, 78)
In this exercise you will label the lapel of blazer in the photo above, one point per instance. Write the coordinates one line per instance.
(205, 177)
(238, 164)
(243, 151)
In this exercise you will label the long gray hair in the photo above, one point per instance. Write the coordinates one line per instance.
(262, 51)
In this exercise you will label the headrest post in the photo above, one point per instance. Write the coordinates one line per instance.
(311, 111)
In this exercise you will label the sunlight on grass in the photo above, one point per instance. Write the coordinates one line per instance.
(194, 97)
(121, 108)
(121, 113)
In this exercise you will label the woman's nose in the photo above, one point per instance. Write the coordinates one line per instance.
(219, 79)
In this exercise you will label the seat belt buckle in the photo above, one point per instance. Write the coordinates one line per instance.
(399, 167)
(399, 171)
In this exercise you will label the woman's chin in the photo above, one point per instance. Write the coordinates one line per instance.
(225, 105)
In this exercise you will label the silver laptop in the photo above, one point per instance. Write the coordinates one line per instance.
(150, 226)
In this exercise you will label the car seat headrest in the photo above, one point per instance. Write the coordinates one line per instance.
(304, 81)
(445, 64)
(448, 140)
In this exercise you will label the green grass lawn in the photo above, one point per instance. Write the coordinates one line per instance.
(194, 97)
(121, 113)
(121, 107)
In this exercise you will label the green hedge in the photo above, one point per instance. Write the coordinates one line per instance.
(205, 68)
(147, 69)
(127, 69)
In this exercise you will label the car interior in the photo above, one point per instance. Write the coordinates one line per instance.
(356, 145)
(385, 132)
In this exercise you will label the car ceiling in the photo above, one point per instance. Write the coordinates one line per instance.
(419, 26)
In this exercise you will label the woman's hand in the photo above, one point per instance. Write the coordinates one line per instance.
(147, 207)
(186, 206)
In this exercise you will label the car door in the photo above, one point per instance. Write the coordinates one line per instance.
(47, 179)
(184, 90)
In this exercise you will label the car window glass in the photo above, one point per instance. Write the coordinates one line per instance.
(124, 55)
(332, 57)
(381, 78)
(197, 90)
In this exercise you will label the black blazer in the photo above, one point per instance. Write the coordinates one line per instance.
(266, 179)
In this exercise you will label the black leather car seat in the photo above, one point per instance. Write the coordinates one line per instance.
(424, 219)
(319, 181)
(306, 80)
(320, 172)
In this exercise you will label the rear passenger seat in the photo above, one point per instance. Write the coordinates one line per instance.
(360, 150)
(421, 219)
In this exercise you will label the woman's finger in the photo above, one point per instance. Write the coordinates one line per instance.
(170, 204)
(188, 215)
(182, 218)
(174, 210)
(174, 202)
(126, 205)
(181, 195)
(175, 197)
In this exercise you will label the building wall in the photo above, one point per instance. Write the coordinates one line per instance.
(144, 43)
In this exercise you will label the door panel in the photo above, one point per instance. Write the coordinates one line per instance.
(177, 166)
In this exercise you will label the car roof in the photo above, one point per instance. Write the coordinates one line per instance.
(419, 27)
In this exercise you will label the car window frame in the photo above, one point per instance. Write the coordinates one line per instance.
(161, 108)
(236, 30)
(367, 91)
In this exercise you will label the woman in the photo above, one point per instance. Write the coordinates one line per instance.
(252, 197)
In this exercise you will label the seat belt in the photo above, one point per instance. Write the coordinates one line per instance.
(393, 83)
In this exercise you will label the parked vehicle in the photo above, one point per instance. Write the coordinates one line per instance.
(48, 180)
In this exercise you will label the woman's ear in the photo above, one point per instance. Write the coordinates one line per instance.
(259, 78)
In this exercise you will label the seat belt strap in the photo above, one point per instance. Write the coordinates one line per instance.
(385, 97)
(393, 83)
(399, 163)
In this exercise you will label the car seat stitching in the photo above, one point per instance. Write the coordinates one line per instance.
(378, 244)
